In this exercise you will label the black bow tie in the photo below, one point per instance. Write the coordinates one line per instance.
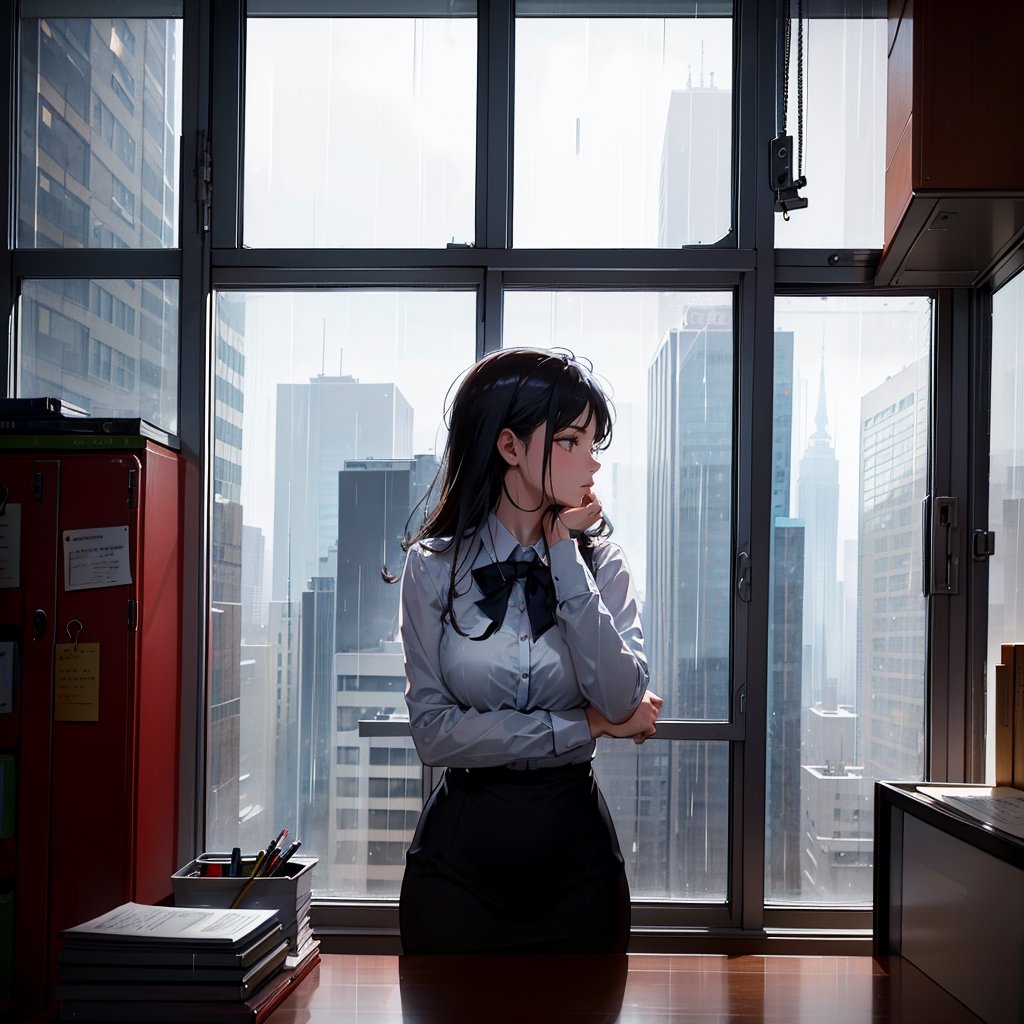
(496, 581)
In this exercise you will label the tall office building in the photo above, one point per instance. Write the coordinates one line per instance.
(783, 833)
(319, 426)
(893, 454)
(92, 87)
(377, 784)
(689, 564)
(818, 507)
(316, 714)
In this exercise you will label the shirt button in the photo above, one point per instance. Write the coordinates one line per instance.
(524, 636)
(525, 675)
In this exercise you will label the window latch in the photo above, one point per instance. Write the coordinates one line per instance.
(984, 545)
(940, 545)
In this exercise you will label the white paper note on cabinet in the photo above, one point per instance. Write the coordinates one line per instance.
(96, 558)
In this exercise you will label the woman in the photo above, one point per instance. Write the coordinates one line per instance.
(523, 645)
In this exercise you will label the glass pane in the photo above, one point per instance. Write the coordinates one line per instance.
(1006, 488)
(360, 132)
(847, 626)
(108, 346)
(666, 485)
(99, 131)
(623, 132)
(844, 135)
(669, 800)
(328, 421)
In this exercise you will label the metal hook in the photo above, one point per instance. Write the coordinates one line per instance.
(73, 637)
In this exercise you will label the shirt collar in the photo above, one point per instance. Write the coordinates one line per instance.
(499, 543)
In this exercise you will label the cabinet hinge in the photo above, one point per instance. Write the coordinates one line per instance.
(37, 487)
(133, 492)
(133, 614)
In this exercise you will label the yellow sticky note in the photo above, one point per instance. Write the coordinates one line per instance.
(77, 684)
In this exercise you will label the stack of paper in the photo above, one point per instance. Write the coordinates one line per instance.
(144, 963)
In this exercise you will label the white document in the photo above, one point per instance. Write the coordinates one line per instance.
(96, 558)
(10, 546)
(197, 925)
(1001, 807)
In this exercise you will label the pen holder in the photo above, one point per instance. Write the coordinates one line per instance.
(289, 893)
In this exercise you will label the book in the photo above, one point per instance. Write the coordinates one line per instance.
(235, 960)
(194, 928)
(1004, 717)
(253, 1010)
(115, 971)
(193, 989)
(45, 406)
(1018, 715)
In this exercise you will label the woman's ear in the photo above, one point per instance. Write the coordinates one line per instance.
(510, 448)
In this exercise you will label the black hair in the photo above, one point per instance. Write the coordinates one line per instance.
(517, 388)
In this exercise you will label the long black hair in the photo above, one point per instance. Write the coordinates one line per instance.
(517, 388)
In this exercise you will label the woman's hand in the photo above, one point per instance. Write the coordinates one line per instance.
(638, 726)
(560, 523)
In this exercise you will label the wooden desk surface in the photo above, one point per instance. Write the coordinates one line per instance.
(647, 988)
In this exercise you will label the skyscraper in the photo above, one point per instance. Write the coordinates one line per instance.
(818, 507)
(687, 614)
(319, 426)
(893, 454)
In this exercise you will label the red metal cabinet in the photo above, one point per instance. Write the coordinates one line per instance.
(96, 814)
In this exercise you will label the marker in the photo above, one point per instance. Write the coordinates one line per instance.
(235, 868)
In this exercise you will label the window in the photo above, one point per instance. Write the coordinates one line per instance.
(850, 424)
(88, 67)
(1006, 489)
(328, 425)
(843, 139)
(666, 483)
(89, 352)
(368, 139)
(628, 116)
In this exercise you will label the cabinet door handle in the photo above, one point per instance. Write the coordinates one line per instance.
(38, 624)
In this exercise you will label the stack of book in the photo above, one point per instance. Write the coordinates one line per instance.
(169, 964)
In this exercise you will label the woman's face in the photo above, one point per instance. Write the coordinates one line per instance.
(572, 465)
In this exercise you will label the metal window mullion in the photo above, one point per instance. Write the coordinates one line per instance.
(195, 401)
(977, 574)
(753, 419)
(949, 446)
(8, 37)
(227, 121)
(495, 45)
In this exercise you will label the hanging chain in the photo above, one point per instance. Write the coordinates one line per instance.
(799, 84)
(787, 35)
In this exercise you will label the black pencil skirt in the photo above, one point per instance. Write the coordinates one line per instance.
(515, 861)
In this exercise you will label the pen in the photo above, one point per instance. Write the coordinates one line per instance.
(275, 843)
(235, 869)
(282, 860)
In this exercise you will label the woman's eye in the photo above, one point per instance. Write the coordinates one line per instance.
(568, 443)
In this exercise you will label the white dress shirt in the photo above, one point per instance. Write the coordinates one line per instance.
(509, 699)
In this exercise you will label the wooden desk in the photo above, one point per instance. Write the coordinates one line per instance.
(637, 989)
(949, 898)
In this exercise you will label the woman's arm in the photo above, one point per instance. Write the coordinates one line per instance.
(446, 733)
(599, 617)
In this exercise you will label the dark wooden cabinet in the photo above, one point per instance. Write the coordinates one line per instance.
(954, 162)
(95, 753)
(949, 890)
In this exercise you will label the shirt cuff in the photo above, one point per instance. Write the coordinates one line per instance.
(570, 729)
(568, 572)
